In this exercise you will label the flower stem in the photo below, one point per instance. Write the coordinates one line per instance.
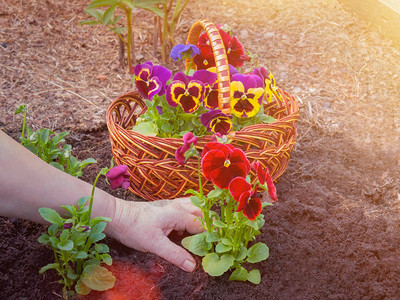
(91, 196)
(23, 128)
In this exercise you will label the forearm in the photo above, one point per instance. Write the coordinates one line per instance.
(28, 183)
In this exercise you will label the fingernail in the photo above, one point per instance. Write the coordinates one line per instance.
(189, 265)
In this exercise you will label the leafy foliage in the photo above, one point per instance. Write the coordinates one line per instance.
(46, 144)
(74, 240)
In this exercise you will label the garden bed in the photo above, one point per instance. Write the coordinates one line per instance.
(333, 234)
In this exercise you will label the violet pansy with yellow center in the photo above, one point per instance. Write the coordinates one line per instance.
(186, 92)
(150, 79)
(217, 122)
(246, 95)
(210, 83)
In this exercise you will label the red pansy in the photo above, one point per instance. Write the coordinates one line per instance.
(242, 192)
(222, 162)
(264, 177)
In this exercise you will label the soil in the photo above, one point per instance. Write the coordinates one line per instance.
(333, 234)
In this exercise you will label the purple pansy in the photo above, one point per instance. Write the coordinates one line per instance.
(217, 122)
(151, 80)
(184, 51)
(118, 177)
(186, 92)
(210, 82)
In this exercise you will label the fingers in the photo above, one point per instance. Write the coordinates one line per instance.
(174, 254)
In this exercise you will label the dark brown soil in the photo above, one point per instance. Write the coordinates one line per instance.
(333, 234)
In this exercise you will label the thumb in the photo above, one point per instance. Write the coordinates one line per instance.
(175, 254)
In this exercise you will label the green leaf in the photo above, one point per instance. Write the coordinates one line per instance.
(48, 267)
(95, 13)
(241, 254)
(215, 265)
(106, 259)
(86, 162)
(214, 193)
(81, 255)
(196, 244)
(71, 209)
(267, 119)
(97, 278)
(129, 4)
(196, 201)
(240, 274)
(82, 201)
(212, 237)
(96, 236)
(108, 14)
(221, 248)
(21, 109)
(50, 215)
(102, 3)
(65, 245)
(254, 276)
(44, 239)
(145, 128)
(97, 220)
(81, 288)
(71, 274)
(258, 252)
(88, 22)
(99, 227)
(219, 224)
(64, 235)
(54, 241)
(101, 248)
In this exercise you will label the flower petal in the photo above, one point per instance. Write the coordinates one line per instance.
(243, 200)
(238, 186)
(211, 160)
(117, 171)
(253, 208)
(222, 176)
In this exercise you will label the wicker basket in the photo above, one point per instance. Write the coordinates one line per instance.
(155, 174)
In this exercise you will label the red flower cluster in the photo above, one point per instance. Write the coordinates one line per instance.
(233, 48)
(227, 168)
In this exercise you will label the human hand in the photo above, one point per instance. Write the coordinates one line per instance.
(145, 226)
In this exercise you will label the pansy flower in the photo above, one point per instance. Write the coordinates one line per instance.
(217, 122)
(205, 59)
(182, 51)
(210, 82)
(186, 92)
(118, 176)
(188, 140)
(246, 95)
(151, 80)
(234, 49)
(268, 81)
(265, 178)
(221, 163)
(243, 193)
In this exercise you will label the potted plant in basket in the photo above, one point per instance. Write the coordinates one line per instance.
(211, 96)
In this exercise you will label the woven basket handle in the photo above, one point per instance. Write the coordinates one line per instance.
(221, 60)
